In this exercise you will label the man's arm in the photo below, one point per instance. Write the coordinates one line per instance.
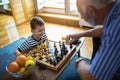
(82, 68)
(96, 32)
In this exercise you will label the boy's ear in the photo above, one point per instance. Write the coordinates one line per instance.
(91, 11)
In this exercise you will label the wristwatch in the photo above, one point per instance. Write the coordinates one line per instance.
(79, 60)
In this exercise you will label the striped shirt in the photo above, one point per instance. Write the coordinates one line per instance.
(107, 60)
(30, 42)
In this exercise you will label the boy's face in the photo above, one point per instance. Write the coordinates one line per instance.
(38, 31)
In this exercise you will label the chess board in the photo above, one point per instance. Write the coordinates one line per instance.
(52, 54)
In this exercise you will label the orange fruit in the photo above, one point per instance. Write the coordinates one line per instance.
(13, 67)
(21, 60)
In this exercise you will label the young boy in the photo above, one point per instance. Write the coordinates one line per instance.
(38, 36)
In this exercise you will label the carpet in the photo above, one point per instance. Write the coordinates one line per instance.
(7, 55)
(70, 73)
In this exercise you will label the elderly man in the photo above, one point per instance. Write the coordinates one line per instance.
(106, 63)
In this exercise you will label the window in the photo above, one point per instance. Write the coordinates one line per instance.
(73, 8)
(39, 4)
(55, 3)
(57, 6)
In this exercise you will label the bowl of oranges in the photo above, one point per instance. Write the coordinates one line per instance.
(21, 67)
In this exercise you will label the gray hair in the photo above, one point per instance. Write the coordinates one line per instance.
(104, 1)
(101, 3)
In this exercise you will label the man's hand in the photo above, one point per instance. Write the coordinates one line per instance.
(72, 38)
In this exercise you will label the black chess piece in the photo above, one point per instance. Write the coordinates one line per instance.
(64, 50)
(71, 46)
(40, 58)
(60, 57)
(41, 66)
(60, 44)
(63, 45)
(51, 61)
(76, 42)
(62, 53)
(54, 63)
(57, 57)
(56, 51)
(54, 45)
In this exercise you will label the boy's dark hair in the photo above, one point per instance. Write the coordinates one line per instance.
(36, 21)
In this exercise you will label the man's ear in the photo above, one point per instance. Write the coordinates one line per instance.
(91, 11)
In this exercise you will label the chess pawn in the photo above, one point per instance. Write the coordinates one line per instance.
(54, 45)
(60, 45)
(56, 52)
(58, 58)
(63, 45)
(54, 63)
(51, 61)
(71, 46)
(62, 50)
(62, 53)
(55, 49)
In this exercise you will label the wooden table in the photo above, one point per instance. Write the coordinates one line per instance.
(49, 74)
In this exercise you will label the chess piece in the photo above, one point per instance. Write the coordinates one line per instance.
(64, 50)
(48, 57)
(42, 67)
(76, 42)
(47, 43)
(60, 44)
(71, 46)
(54, 45)
(51, 61)
(54, 63)
(56, 51)
(57, 57)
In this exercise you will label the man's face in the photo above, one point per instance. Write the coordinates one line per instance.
(81, 6)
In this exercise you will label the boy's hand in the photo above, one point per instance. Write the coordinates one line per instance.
(17, 53)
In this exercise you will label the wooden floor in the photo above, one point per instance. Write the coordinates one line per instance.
(9, 32)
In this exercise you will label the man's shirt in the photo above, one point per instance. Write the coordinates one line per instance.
(30, 42)
(107, 60)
